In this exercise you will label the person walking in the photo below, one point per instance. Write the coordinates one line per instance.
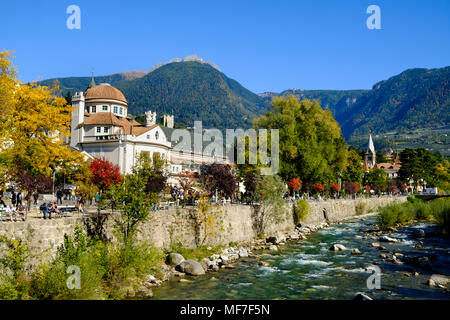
(35, 197)
(13, 198)
(19, 198)
(59, 195)
(1, 199)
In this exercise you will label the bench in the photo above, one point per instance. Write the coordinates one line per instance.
(63, 210)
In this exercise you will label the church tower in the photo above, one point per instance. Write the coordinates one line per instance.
(371, 156)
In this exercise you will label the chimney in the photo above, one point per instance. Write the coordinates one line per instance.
(150, 118)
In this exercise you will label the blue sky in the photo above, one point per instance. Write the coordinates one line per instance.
(265, 45)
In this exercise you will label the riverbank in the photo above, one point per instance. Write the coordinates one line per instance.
(308, 269)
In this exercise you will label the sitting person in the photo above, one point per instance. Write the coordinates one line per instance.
(10, 211)
(52, 208)
(45, 210)
(20, 212)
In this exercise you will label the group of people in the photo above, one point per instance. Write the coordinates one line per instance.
(16, 209)
(47, 209)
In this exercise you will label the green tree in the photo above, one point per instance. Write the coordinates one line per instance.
(418, 165)
(311, 142)
(354, 171)
(376, 179)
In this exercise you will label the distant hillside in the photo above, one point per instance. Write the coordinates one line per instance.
(75, 84)
(416, 98)
(337, 101)
(193, 91)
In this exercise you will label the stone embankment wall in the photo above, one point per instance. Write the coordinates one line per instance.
(224, 224)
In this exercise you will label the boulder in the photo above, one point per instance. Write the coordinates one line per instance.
(294, 236)
(276, 239)
(174, 259)
(215, 267)
(387, 239)
(362, 297)
(273, 248)
(191, 267)
(338, 247)
(356, 251)
(144, 292)
(206, 263)
(243, 253)
(376, 245)
(438, 280)
(225, 259)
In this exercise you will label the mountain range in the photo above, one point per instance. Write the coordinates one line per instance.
(193, 89)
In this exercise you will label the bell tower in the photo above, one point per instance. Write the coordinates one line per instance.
(371, 155)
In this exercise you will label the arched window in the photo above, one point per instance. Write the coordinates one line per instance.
(157, 135)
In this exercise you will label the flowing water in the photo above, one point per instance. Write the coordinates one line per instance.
(309, 270)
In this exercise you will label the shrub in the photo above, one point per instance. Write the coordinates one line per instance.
(301, 210)
(360, 208)
(440, 209)
(422, 211)
(393, 214)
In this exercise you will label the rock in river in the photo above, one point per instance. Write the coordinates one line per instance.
(191, 267)
(438, 279)
(174, 259)
(338, 247)
(361, 297)
(356, 251)
(387, 239)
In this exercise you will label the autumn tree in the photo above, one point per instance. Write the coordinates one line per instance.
(318, 187)
(351, 187)
(104, 174)
(219, 177)
(295, 184)
(335, 187)
(34, 122)
(83, 177)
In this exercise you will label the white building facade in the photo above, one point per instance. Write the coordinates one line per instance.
(102, 128)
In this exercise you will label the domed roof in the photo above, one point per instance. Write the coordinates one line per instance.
(104, 91)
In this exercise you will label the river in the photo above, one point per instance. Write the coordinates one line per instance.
(309, 270)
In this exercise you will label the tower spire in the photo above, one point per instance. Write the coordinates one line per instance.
(92, 84)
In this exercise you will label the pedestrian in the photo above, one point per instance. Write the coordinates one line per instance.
(59, 195)
(13, 198)
(1, 199)
(44, 210)
(35, 197)
(19, 198)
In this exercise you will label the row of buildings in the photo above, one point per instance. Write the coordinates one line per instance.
(102, 128)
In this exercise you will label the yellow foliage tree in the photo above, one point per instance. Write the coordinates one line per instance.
(34, 122)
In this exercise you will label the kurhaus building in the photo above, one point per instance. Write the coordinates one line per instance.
(102, 128)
